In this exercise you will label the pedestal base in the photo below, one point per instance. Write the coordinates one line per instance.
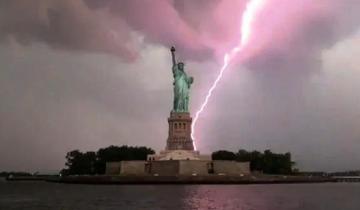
(178, 155)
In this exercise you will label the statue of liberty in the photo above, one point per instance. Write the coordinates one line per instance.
(181, 84)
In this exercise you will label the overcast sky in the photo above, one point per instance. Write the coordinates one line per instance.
(85, 74)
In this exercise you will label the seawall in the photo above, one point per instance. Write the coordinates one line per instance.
(213, 179)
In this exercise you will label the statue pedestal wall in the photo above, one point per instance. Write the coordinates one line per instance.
(178, 168)
(179, 137)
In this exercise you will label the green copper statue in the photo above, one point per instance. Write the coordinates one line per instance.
(181, 84)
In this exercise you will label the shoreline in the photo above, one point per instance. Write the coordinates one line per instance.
(213, 179)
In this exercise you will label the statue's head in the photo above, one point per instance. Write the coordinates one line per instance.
(181, 66)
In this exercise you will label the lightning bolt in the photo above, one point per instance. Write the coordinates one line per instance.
(252, 9)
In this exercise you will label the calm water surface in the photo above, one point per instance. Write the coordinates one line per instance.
(42, 195)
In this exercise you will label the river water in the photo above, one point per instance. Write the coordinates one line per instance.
(43, 195)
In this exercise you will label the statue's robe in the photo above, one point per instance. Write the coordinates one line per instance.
(181, 90)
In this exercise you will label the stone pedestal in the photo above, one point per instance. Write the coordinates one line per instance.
(179, 132)
(179, 144)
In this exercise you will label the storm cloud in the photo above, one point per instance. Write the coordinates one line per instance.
(200, 29)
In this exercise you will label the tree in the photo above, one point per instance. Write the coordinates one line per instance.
(80, 163)
(267, 162)
(223, 155)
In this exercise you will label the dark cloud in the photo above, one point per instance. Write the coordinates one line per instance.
(98, 27)
(290, 38)
(65, 24)
(199, 29)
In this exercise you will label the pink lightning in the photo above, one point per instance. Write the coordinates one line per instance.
(252, 9)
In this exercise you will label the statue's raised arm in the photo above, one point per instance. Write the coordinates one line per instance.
(173, 56)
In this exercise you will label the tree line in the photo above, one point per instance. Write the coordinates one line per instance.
(266, 162)
(91, 163)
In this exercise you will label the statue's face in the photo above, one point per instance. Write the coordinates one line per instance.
(181, 66)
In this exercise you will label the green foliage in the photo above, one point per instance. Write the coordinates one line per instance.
(80, 163)
(95, 162)
(223, 155)
(267, 162)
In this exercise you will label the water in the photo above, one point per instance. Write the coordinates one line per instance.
(42, 195)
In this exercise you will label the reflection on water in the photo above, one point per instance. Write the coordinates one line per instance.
(42, 195)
